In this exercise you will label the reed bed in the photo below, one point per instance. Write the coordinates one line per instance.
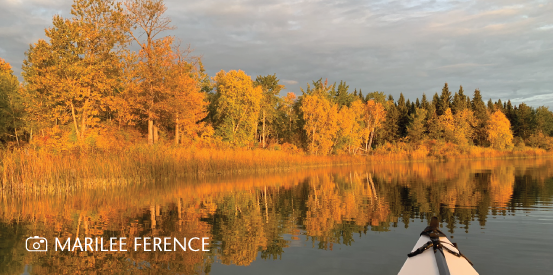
(24, 171)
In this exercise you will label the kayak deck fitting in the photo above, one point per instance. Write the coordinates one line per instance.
(443, 259)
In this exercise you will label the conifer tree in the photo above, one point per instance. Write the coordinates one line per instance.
(342, 97)
(491, 106)
(444, 101)
(432, 124)
(403, 115)
(544, 120)
(391, 128)
(424, 103)
(525, 123)
(481, 116)
(459, 101)
(416, 129)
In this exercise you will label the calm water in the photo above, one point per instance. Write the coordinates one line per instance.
(358, 220)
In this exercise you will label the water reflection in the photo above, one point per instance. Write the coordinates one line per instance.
(249, 218)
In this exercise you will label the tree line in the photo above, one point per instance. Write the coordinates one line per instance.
(110, 70)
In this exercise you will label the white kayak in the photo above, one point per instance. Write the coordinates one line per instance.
(427, 257)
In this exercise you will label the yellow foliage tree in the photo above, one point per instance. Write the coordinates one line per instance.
(499, 131)
(68, 77)
(321, 123)
(447, 124)
(351, 125)
(238, 106)
(374, 116)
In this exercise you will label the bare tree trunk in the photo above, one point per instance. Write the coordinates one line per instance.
(75, 120)
(156, 136)
(83, 123)
(263, 128)
(177, 131)
(150, 131)
(16, 137)
(371, 139)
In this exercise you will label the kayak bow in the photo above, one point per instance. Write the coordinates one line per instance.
(434, 254)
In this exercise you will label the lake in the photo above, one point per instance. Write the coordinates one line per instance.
(340, 220)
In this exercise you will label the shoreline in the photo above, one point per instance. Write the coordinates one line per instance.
(27, 171)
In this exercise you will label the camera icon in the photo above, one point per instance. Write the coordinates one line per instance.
(36, 244)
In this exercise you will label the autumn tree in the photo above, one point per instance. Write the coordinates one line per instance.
(374, 116)
(447, 124)
(146, 21)
(464, 124)
(271, 89)
(287, 118)
(187, 103)
(68, 77)
(11, 112)
(350, 123)
(499, 131)
(320, 116)
(238, 104)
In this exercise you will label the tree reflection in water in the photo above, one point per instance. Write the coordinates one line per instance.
(247, 217)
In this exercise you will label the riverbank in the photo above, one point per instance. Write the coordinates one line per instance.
(29, 171)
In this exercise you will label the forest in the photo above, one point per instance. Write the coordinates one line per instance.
(109, 78)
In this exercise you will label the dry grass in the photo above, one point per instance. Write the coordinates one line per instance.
(25, 171)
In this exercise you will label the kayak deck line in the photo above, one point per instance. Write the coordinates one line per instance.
(450, 262)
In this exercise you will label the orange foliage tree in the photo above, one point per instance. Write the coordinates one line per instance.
(149, 68)
(321, 123)
(499, 131)
(69, 76)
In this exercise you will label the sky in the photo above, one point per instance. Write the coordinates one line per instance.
(502, 47)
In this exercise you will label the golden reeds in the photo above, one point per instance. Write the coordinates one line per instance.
(28, 171)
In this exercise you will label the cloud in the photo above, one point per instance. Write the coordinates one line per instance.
(502, 47)
(289, 82)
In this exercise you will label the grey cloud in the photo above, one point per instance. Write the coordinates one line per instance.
(503, 47)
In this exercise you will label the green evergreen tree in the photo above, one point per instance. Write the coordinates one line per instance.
(459, 101)
(525, 121)
(491, 106)
(416, 129)
(342, 96)
(481, 115)
(544, 120)
(444, 101)
(424, 103)
(390, 129)
(433, 127)
(403, 115)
